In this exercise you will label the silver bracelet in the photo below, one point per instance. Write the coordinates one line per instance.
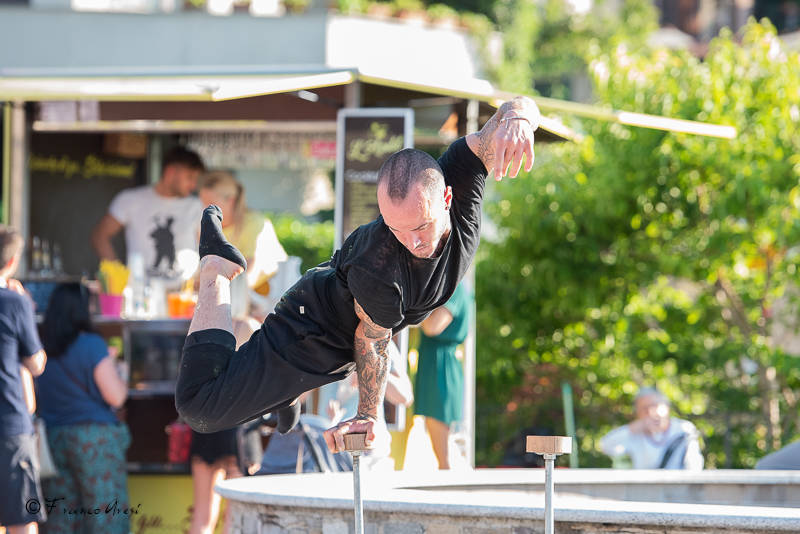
(506, 119)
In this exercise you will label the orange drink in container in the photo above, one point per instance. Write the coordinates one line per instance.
(180, 304)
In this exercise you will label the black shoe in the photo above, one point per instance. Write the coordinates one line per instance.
(288, 417)
(212, 240)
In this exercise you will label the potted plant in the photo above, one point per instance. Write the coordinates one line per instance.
(296, 6)
(194, 5)
(241, 6)
(443, 16)
(411, 10)
(351, 7)
(380, 9)
(476, 23)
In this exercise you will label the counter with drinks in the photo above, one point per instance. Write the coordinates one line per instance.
(145, 328)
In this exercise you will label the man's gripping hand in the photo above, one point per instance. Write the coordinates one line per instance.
(360, 424)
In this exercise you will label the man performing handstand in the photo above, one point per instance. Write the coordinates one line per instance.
(341, 315)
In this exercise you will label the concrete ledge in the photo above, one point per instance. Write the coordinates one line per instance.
(508, 500)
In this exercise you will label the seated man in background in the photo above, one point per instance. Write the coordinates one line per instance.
(654, 440)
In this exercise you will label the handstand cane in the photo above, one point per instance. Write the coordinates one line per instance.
(549, 447)
(355, 445)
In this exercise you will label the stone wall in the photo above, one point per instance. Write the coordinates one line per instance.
(249, 518)
(512, 502)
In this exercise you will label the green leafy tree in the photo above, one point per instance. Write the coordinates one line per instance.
(546, 43)
(639, 257)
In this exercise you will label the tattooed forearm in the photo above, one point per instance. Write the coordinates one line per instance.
(372, 367)
(372, 364)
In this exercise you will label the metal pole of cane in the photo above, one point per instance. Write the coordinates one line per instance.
(549, 447)
(549, 460)
(355, 445)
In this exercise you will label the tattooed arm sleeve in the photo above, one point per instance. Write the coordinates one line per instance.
(372, 363)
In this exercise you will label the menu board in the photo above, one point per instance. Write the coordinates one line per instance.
(72, 182)
(365, 138)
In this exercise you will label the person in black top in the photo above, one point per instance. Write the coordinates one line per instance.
(340, 315)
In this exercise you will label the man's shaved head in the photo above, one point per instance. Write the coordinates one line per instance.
(406, 168)
(415, 202)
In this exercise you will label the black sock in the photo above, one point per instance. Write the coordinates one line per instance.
(212, 240)
(288, 417)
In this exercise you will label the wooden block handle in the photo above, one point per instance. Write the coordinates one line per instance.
(549, 444)
(355, 442)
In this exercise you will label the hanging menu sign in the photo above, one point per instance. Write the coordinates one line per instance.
(364, 139)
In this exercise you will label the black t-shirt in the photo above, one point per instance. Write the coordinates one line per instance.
(394, 287)
(18, 339)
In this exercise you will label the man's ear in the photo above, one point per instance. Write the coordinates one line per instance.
(448, 197)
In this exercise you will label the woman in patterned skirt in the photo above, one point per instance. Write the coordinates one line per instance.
(78, 393)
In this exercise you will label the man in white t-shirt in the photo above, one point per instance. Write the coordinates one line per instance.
(161, 221)
(654, 440)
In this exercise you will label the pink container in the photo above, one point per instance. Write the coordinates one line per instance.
(110, 305)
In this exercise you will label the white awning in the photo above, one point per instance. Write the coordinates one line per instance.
(163, 88)
(219, 87)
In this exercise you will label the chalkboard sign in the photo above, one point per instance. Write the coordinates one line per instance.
(72, 182)
(364, 139)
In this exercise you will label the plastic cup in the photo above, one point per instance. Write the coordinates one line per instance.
(110, 305)
(180, 305)
(188, 302)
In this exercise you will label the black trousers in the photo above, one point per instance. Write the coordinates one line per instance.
(219, 387)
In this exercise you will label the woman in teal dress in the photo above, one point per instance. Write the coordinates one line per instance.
(439, 386)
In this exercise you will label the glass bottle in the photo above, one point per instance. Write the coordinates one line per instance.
(46, 258)
(36, 255)
(58, 263)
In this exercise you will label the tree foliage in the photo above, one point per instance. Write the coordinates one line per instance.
(642, 257)
(546, 43)
(312, 242)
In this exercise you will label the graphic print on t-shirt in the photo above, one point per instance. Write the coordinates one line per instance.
(160, 232)
(164, 243)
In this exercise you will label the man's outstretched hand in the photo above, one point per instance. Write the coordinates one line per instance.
(507, 138)
(512, 141)
(334, 437)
